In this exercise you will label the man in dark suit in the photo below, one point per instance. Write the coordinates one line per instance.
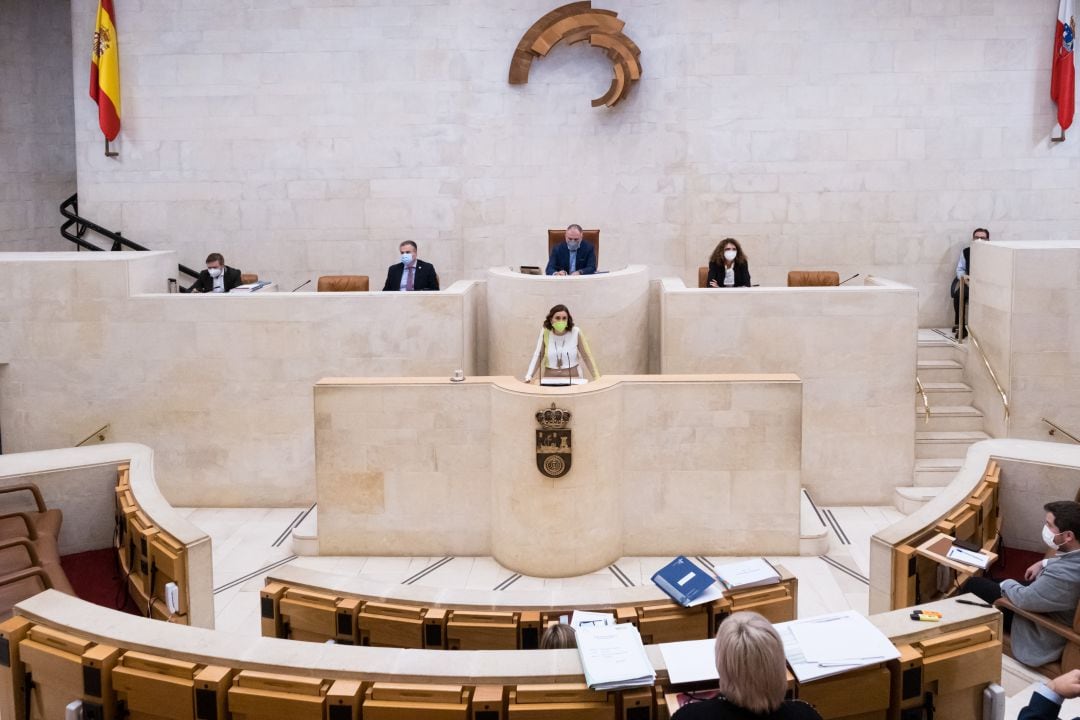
(410, 274)
(1046, 701)
(217, 277)
(573, 256)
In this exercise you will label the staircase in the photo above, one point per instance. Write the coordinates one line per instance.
(941, 444)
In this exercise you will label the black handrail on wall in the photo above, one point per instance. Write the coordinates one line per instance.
(70, 209)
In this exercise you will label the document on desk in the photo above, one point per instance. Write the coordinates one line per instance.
(690, 661)
(756, 572)
(613, 657)
(968, 557)
(584, 618)
(831, 644)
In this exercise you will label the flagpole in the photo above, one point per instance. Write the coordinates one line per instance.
(113, 153)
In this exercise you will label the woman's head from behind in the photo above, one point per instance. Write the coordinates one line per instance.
(558, 636)
(559, 317)
(750, 662)
(721, 255)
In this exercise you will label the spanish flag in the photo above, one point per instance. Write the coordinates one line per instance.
(105, 71)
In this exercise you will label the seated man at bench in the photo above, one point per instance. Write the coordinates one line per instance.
(1053, 588)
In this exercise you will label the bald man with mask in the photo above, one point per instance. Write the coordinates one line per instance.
(573, 256)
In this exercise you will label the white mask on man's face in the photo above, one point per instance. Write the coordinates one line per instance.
(214, 272)
(1048, 537)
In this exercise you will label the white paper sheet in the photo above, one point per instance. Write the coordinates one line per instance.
(690, 661)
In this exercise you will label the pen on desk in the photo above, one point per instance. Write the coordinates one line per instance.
(976, 604)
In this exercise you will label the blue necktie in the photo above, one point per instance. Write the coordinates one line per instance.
(573, 260)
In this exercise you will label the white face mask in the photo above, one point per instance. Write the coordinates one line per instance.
(406, 258)
(730, 255)
(214, 272)
(1048, 537)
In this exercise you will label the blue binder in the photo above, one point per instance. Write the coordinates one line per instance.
(682, 580)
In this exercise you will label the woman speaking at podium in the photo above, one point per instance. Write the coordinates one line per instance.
(560, 351)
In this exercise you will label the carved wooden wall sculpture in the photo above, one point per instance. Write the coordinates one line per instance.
(576, 23)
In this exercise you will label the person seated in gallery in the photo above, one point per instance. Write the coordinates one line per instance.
(963, 270)
(753, 675)
(1052, 586)
(573, 256)
(409, 273)
(561, 349)
(728, 266)
(558, 636)
(217, 277)
(1046, 701)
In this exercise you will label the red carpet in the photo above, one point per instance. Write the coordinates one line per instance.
(1012, 563)
(96, 578)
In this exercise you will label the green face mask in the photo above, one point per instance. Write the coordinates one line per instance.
(559, 325)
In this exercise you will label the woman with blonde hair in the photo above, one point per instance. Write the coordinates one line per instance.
(558, 636)
(728, 266)
(753, 678)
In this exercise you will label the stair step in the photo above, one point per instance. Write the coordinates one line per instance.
(948, 418)
(939, 370)
(948, 444)
(935, 472)
(909, 499)
(946, 393)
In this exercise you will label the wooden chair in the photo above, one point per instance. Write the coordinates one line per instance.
(342, 283)
(45, 520)
(249, 278)
(590, 236)
(813, 278)
(1070, 656)
(703, 277)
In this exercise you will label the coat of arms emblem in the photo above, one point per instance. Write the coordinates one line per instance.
(553, 442)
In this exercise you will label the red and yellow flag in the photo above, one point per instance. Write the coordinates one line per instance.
(105, 71)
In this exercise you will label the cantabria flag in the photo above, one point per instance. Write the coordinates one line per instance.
(105, 71)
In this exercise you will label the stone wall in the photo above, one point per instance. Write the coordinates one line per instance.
(37, 123)
(307, 138)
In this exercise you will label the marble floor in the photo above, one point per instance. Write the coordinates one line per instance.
(249, 543)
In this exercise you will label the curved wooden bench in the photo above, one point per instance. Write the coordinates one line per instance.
(155, 544)
(61, 649)
(969, 508)
(302, 604)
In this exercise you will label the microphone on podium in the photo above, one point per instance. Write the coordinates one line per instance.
(851, 278)
(306, 282)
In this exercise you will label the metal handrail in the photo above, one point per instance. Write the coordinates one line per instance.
(99, 434)
(1054, 427)
(993, 375)
(925, 400)
(70, 209)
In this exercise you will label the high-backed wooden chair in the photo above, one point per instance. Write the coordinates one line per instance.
(342, 283)
(1070, 656)
(813, 278)
(249, 278)
(703, 276)
(45, 520)
(590, 236)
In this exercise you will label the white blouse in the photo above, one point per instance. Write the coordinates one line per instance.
(561, 347)
(729, 276)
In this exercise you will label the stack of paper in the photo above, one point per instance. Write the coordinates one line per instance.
(968, 557)
(747, 574)
(584, 618)
(613, 657)
(831, 644)
(690, 661)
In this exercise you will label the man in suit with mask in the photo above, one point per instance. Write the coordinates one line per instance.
(410, 274)
(573, 256)
(217, 277)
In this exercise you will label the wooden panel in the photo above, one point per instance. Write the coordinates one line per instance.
(395, 701)
(475, 630)
(863, 692)
(391, 625)
(670, 623)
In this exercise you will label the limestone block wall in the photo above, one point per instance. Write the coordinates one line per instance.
(860, 136)
(705, 464)
(854, 348)
(1028, 319)
(37, 123)
(220, 387)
